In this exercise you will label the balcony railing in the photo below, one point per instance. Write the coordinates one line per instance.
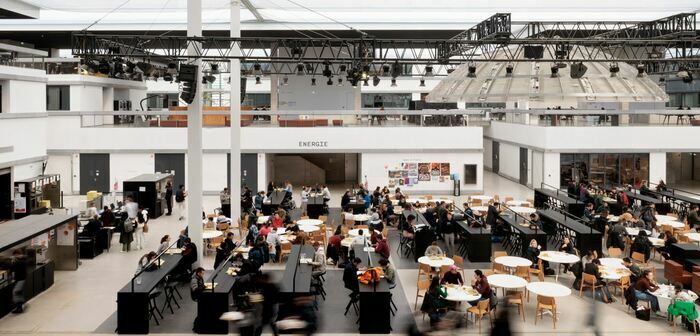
(599, 118)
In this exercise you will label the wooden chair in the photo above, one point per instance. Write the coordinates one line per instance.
(637, 256)
(621, 284)
(304, 217)
(666, 228)
(546, 303)
(385, 232)
(459, 262)
(496, 267)
(481, 309)
(590, 281)
(324, 218)
(516, 298)
(475, 202)
(683, 238)
(507, 198)
(443, 269)
(424, 269)
(285, 250)
(362, 227)
(523, 272)
(614, 252)
(422, 288)
(349, 222)
(539, 271)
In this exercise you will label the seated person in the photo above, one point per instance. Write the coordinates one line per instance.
(145, 261)
(532, 253)
(197, 283)
(592, 269)
(588, 212)
(388, 270)
(319, 262)
(244, 265)
(536, 220)
(452, 277)
(360, 239)
(434, 250)
(601, 221)
(567, 246)
(433, 302)
(408, 229)
(334, 246)
(669, 240)
(350, 276)
(292, 227)
(189, 254)
(641, 244)
(642, 290)
(682, 295)
(92, 227)
(634, 268)
(382, 247)
(481, 284)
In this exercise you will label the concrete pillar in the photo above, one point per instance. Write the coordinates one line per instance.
(194, 137)
(235, 115)
(657, 167)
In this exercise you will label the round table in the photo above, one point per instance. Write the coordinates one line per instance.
(483, 198)
(557, 257)
(635, 231)
(665, 218)
(308, 228)
(506, 281)
(658, 242)
(516, 203)
(549, 289)
(480, 208)
(694, 236)
(461, 293)
(664, 294)
(361, 218)
(611, 262)
(309, 222)
(347, 242)
(436, 262)
(209, 234)
(513, 262)
(356, 232)
(673, 224)
(613, 219)
(523, 210)
(614, 273)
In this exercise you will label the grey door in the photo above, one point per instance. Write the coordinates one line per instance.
(523, 166)
(94, 173)
(495, 152)
(249, 171)
(171, 163)
(6, 205)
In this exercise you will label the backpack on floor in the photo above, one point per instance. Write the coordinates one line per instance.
(643, 313)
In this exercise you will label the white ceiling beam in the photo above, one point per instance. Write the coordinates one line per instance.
(248, 5)
(21, 8)
(23, 50)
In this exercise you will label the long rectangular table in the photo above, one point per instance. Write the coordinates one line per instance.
(375, 299)
(661, 207)
(211, 304)
(296, 280)
(584, 237)
(571, 205)
(132, 299)
(525, 232)
(315, 206)
(422, 237)
(274, 201)
(478, 242)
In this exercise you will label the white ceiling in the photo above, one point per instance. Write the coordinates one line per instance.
(326, 14)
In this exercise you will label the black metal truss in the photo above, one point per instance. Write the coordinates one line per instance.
(661, 45)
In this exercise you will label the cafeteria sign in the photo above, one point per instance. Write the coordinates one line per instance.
(313, 144)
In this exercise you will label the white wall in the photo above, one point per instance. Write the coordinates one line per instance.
(300, 95)
(25, 96)
(509, 161)
(657, 167)
(86, 98)
(27, 136)
(61, 164)
(488, 153)
(551, 169)
(537, 164)
(376, 167)
(125, 166)
(25, 171)
(214, 171)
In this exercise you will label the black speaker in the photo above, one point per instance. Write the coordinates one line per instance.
(534, 52)
(578, 70)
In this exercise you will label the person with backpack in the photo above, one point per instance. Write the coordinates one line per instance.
(141, 227)
(180, 201)
(127, 235)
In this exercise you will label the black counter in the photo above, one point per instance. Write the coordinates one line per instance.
(375, 299)
(132, 299)
(211, 304)
(273, 202)
(681, 252)
(661, 207)
(315, 207)
(478, 242)
(525, 232)
(585, 238)
(558, 197)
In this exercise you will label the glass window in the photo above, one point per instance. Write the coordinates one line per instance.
(597, 171)
(256, 100)
(641, 168)
(387, 100)
(161, 101)
(612, 168)
(565, 164)
(58, 98)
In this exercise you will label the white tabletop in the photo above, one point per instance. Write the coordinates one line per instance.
(614, 272)
(609, 200)
(461, 293)
(263, 219)
(480, 208)
(549, 289)
(209, 234)
(308, 228)
(611, 262)
(674, 224)
(506, 281)
(559, 257)
(347, 242)
(665, 218)
(436, 261)
(660, 242)
(513, 203)
(356, 232)
(613, 219)
(635, 231)
(510, 261)
(694, 236)
(361, 218)
(309, 222)
(523, 210)
(483, 198)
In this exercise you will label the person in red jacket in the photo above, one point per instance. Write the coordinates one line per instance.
(382, 247)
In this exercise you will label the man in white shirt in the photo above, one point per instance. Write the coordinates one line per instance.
(360, 239)
(319, 262)
(326, 193)
(304, 199)
(273, 239)
(132, 208)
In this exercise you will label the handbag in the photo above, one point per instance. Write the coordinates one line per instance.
(145, 228)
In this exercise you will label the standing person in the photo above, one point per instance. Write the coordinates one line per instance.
(259, 198)
(141, 220)
(127, 234)
(304, 200)
(694, 218)
(326, 194)
(19, 274)
(180, 200)
(169, 198)
(225, 198)
(448, 232)
(107, 217)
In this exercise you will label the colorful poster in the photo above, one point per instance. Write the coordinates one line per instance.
(404, 165)
(66, 235)
(392, 183)
(412, 165)
(413, 173)
(435, 169)
(404, 173)
(394, 174)
(400, 181)
(444, 169)
(414, 180)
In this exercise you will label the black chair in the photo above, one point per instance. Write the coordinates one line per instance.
(153, 305)
(170, 289)
(354, 299)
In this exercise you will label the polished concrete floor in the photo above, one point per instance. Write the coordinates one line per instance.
(84, 301)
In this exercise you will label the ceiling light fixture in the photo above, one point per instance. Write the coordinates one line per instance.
(509, 70)
(214, 69)
(614, 69)
(300, 69)
(640, 70)
(366, 82)
(393, 82)
(257, 69)
(330, 81)
(257, 80)
(555, 71)
(375, 80)
(472, 70)
(285, 80)
(327, 71)
(429, 71)
(313, 81)
(422, 82)
(340, 81)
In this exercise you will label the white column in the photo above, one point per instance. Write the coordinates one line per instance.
(235, 114)
(552, 171)
(194, 137)
(657, 167)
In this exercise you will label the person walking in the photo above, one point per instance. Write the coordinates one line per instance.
(180, 200)
(225, 197)
(142, 220)
(304, 200)
(127, 235)
(169, 198)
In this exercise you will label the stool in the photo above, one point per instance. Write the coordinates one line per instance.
(354, 298)
(170, 290)
(153, 306)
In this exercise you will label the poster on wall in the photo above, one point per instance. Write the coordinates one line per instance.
(66, 235)
(413, 180)
(392, 183)
(400, 181)
(20, 204)
(435, 169)
(413, 173)
(424, 172)
(444, 169)
(395, 174)
(41, 240)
